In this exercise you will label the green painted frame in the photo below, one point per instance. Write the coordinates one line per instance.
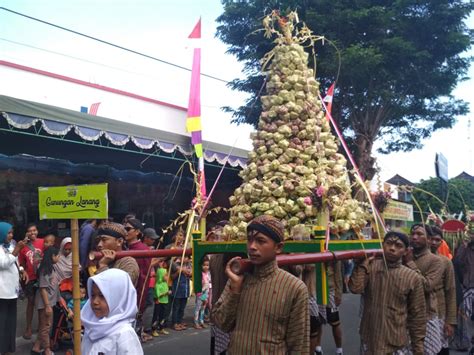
(201, 248)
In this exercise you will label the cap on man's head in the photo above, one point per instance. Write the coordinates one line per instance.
(150, 233)
(269, 226)
(136, 223)
(112, 229)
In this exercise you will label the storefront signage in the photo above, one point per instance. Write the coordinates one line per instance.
(79, 201)
(398, 211)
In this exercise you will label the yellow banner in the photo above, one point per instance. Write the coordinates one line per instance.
(67, 202)
(399, 211)
(193, 124)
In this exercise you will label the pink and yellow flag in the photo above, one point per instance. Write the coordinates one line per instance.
(193, 122)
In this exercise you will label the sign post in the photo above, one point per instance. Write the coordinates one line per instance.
(74, 202)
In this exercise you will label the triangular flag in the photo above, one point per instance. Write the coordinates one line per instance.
(196, 33)
(328, 99)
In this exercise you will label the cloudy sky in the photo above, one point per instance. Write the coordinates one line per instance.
(160, 29)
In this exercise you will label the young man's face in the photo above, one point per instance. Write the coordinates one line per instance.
(393, 249)
(262, 249)
(32, 233)
(435, 242)
(108, 242)
(418, 239)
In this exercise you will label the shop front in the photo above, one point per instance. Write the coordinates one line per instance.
(147, 170)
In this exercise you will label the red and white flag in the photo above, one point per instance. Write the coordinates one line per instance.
(328, 100)
(94, 108)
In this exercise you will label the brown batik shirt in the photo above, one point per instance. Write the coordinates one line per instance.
(394, 313)
(431, 268)
(446, 294)
(269, 316)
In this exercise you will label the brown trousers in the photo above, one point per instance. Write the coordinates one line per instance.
(44, 328)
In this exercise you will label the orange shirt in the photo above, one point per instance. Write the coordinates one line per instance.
(444, 250)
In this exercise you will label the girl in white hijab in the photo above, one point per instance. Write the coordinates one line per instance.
(108, 315)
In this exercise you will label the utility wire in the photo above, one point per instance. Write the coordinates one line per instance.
(109, 43)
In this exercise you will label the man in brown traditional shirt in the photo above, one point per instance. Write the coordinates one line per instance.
(394, 314)
(111, 238)
(430, 267)
(267, 309)
(446, 295)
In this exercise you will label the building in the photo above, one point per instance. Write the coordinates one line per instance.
(146, 167)
(399, 211)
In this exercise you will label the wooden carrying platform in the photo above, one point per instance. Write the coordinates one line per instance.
(201, 248)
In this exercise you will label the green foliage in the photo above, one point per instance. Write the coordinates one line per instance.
(400, 61)
(460, 196)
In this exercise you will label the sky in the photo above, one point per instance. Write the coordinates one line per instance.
(160, 29)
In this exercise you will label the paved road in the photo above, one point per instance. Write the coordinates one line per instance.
(196, 342)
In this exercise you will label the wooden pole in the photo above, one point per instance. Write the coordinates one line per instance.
(244, 265)
(157, 253)
(76, 295)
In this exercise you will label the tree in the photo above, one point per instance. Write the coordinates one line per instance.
(400, 61)
(460, 196)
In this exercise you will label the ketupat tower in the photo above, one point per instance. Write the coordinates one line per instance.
(294, 172)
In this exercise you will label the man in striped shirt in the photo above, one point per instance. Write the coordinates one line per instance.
(267, 309)
(445, 295)
(430, 267)
(394, 314)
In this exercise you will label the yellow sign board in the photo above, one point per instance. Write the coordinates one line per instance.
(77, 201)
(398, 211)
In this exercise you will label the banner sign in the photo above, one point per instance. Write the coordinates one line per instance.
(399, 211)
(68, 202)
(441, 167)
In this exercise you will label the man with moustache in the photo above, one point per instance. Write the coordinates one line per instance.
(431, 269)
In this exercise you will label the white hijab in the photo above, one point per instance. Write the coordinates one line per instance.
(121, 298)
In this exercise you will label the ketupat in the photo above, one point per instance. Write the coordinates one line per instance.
(295, 171)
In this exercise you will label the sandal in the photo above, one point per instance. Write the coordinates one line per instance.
(146, 337)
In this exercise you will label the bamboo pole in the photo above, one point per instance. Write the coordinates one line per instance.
(76, 295)
(95, 255)
(244, 265)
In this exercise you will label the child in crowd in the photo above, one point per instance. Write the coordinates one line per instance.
(70, 304)
(49, 241)
(46, 298)
(108, 315)
(181, 274)
(161, 309)
(30, 258)
(202, 297)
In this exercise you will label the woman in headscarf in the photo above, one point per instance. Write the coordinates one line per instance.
(9, 287)
(64, 269)
(108, 315)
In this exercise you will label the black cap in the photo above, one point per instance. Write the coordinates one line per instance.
(150, 233)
